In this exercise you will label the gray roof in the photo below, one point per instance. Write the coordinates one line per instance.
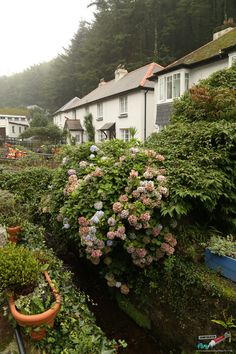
(108, 126)
(69, 105)
(133, 80)
(73, 124)
(213, 50)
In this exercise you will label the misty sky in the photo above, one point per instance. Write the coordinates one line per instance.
(35, 31)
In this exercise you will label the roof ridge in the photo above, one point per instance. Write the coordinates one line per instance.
(149, 72)
(204, 45)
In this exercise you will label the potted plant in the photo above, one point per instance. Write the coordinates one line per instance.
(220, 255)
(22, 277)
(13, 227)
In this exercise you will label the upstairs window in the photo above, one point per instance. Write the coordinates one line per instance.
(19, 129)
(169, 87)
(13, 129)
(176, 85)
(99, 111)
(162, 88)
(123, 105)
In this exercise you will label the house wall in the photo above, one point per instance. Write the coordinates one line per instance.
(60, 118)
(205, 71)
(9, 121)
(163, 105)
(111, 113)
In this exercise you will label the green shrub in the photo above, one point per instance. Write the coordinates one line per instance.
(19, 268)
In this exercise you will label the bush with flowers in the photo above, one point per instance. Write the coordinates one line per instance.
(111, 207)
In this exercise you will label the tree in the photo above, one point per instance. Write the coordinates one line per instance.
(88, 123)
(50, 134)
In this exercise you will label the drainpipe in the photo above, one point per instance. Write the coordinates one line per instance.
(145, 114)
(19, 340)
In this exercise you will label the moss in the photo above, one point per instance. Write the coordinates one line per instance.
(208, 50)
(126, 306)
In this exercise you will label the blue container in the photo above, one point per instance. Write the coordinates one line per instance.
(224, 264)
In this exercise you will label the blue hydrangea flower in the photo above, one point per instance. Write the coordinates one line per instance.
(94, 148)
(99, 214)
(109, 243)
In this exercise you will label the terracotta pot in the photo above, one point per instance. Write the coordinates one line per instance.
(45, 318)
(13, 232)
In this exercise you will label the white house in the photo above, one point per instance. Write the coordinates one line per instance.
(176, 78)
(12, 126)
(117, 105)
(68, 111)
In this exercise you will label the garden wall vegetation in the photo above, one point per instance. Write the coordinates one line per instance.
(141, 214)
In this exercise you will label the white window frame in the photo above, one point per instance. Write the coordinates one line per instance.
(162, 88)
(186, 81)
(176, 85)
(125, 134)
(123, 104)
(100, 111)
(169, 85)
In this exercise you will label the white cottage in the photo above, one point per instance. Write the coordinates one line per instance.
(11, 126)
(176, 78)
(117, 105)
(68, 111)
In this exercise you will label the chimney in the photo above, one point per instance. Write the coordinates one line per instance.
(225, 28)
(120, 72)
(102, 82)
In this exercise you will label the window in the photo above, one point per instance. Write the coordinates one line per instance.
(99, 111)
(77, 138)
(16, 119)
(176, 85)
(13, 129)
(87, 110)
(22, 119)
(123, 104)
(101, 135)
(169, 87)
(162, 89)
(125, 134)
(186, 84)
(19, 129)
(74, 114)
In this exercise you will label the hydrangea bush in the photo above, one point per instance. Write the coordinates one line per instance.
(111, 207)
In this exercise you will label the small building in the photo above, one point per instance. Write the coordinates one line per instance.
(179, 76)
(11, 126)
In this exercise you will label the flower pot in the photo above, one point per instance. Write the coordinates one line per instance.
(224, 264)
(46, 318)
(13, 232)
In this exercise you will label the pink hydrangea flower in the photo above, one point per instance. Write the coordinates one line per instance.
(123, 198)
(161, 178)
(124, 214)
(96, 253)
(160, 157)
(133, 174)
(83, 221)
(145, 217)
(117, 207)
(111, 235)
(167, 248)
(132, 220)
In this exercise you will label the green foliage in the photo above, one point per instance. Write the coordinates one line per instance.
(126, 306)
(223, 246)
(47, 134)
(228, 323)
(75, 330)
(88, 124)
(118, 222)
(18, 268)
(39, 118)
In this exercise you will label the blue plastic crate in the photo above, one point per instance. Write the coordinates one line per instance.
(225, 265)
